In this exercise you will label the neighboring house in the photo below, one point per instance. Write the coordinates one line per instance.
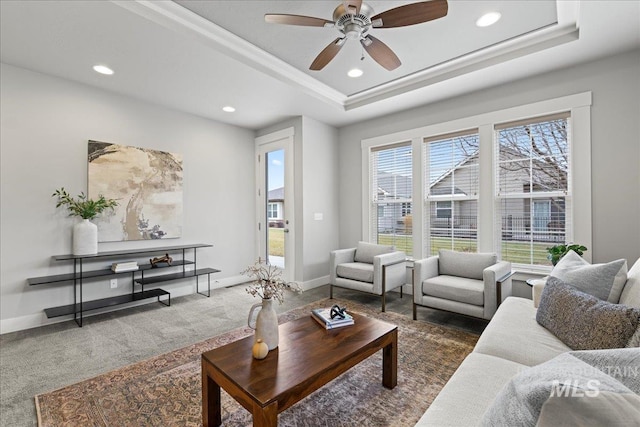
(545, 216)
(275, 207)
(392, 187)
(453, 200)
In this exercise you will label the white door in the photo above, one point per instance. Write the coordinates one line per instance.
(275, 207)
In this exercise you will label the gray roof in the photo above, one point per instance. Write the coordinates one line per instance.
(277, 194)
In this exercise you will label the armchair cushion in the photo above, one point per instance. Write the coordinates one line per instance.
(462, 289)
(463, 264)
(366, 251)
(359, 271)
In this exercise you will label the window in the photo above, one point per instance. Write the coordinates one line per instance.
(443, 210)
(391, 176)
(272, 211)
(451, 186)
(534, 195)
(512, 181)
(406, 209)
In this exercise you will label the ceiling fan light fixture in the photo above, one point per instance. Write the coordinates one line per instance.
(353, 19)
(488, 19)
(228, 109)
(355, 73)
(103, 69)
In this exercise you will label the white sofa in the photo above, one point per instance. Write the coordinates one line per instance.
(511, 342)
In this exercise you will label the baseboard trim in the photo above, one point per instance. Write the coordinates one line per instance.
(314, 283)
(36, 320)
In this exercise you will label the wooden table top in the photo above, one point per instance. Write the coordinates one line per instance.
(305, 352)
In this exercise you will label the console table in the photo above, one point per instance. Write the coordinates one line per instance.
(79, 276)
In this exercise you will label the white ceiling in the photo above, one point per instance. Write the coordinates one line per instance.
(165, 53)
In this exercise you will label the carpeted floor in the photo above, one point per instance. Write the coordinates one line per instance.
(166, 390)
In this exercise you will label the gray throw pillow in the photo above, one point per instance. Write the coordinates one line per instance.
(366, 251)
(602, 383)
(605, 281)
(582, 321)
(634, 341)
(464, 264)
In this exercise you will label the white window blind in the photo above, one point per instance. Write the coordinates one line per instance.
(390, 169)
(451, 192)
(532, 187)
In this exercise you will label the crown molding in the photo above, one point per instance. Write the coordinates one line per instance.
(177, 18)
(172, 15)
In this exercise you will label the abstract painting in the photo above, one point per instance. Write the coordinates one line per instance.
(147, 185)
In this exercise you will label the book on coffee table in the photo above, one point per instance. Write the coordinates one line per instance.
(323, 316)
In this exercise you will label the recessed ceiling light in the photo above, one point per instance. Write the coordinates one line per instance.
(488, 19)
(355, 72)
(228, 109)
(103, 69)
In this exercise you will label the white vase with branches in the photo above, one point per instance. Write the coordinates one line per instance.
(267, 283)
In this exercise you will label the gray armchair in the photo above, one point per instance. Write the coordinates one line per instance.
(473, 284)
(370, 268)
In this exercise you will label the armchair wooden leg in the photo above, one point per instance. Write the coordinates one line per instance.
(330, 291)
(414, 311)
(401, 291)
(383, 302)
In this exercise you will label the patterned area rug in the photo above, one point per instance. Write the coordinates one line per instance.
(166, 390)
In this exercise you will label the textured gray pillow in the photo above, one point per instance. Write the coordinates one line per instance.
(605, 281)
(582, 321)
(366, 251)
(587, 380)
(464, 264)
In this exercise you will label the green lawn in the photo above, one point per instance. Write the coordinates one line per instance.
(516, 252)
(276, 241)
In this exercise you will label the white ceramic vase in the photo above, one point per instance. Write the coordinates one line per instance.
(85, 238)
(266, 324)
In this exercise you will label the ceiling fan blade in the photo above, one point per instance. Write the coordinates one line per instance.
(307, 21)
(353, 6)
(327, 54)
(411, 14)
(380, 52)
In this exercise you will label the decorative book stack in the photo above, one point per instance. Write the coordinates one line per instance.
(323, 316)
(119, 267)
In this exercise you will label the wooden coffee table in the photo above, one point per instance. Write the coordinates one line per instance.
(308, 357)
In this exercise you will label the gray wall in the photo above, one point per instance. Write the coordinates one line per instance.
(45, 125)
(319, 196)
(615, 145)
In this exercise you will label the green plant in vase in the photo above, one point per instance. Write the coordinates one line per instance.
(85, 233)
(555, 253)
(82, 206)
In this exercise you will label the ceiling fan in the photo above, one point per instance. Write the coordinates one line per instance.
(354, 19)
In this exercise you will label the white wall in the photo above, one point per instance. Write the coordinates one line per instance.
(615, 120)
(45, 125)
